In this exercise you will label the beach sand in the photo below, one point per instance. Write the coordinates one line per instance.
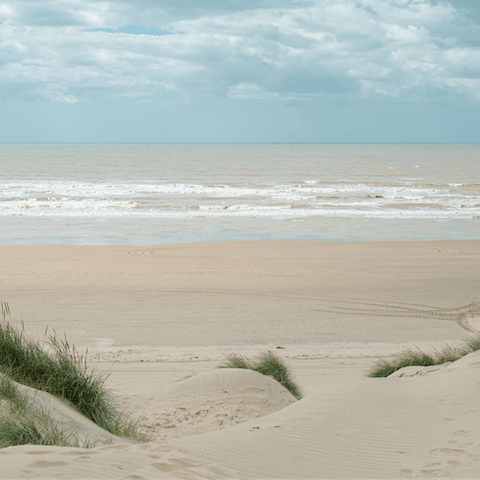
(152, 316)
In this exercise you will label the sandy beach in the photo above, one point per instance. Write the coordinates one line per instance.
(153, 316)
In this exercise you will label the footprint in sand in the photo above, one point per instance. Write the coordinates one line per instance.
(46, 464)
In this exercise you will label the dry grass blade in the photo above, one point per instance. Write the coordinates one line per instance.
(5, 310)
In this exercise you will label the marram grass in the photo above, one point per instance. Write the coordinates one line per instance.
(267, 364)
(23, 422)
(410, 358)
(63, 373)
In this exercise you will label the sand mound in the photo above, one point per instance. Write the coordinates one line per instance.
(212, 401)
(419, 426)
(413, 427)
(205, 402)
(69, 419)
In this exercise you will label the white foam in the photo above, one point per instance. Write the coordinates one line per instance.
(312, 198)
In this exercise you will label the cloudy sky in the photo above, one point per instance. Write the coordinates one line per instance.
(240, 70)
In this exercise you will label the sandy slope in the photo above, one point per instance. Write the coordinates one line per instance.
(420, 425)
(209, 401)
(70, 420)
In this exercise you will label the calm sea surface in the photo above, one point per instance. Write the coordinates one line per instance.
(143, 194)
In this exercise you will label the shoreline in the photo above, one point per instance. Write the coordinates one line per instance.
(376, 233)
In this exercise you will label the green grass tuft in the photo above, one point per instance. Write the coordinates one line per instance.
(267, 364)
(23, 422)
(472, 344)
(63, 373)
(447, 354)
(408, 358)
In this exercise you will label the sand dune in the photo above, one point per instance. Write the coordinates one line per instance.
(68, 419)
(209, 401)
(155, 315)
(416, 426)
(212, 401)
(419, 426)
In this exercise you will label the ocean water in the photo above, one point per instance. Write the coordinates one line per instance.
(145, 194)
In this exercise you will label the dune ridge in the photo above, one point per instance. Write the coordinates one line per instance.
(422, 425)
(426, 425)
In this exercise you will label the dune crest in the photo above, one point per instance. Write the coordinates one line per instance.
(212, 401)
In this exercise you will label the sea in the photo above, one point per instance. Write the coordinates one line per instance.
(150, 194)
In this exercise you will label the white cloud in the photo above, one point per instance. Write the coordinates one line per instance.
(411, 50)
(5, 10)
(250, 90)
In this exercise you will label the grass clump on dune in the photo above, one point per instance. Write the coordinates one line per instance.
(472, 344)
(64, 373)
(23, 422)
(267, 364)
(410, 358)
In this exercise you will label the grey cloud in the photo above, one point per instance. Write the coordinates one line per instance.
(33, 13)
(150, 13)
(194, 8)
(472, 6)
(410, 50)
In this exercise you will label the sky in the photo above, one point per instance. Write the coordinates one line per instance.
(240, 71)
